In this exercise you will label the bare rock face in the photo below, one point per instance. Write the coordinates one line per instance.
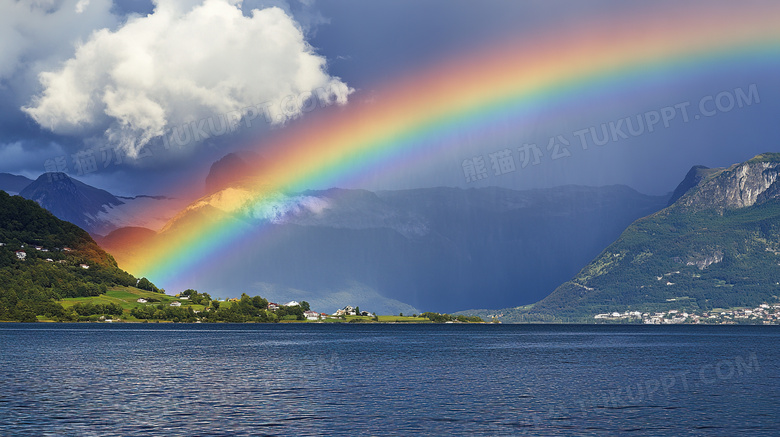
(739, 186)
(702, 261)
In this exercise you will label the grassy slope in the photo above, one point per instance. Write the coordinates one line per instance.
(126, 297)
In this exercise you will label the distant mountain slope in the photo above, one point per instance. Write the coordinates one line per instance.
(43, 258)
(13, 184)
(717, 246)
(151, 212)
(441, 249)
(128, 242)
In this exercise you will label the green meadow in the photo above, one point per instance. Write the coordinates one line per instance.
(127, 299)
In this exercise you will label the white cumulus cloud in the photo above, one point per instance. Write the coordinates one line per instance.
(188, 60)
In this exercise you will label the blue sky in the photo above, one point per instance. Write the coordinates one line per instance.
(107, 76)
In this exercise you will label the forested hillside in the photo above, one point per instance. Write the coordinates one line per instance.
(43, 258)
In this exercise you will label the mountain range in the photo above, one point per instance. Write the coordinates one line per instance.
(714, 243)
(441, 249)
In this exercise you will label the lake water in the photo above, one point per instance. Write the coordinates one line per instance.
(214, 380)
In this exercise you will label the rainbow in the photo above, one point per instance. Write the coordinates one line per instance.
(407, 119)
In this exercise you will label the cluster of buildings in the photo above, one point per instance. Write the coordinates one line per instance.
(273, 306)
(352, 311)
(763, 314)
(314, 315)
(21, 255)
(309, 314)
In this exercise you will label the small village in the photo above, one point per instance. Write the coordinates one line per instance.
(308, 314)
(21, 254)
(764, 314)
(315, 316)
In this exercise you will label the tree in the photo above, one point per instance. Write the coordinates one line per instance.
(24, 313)
(145, 284)
(259, 302)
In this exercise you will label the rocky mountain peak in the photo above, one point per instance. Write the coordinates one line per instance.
(69, 199)
(739, 186)
(692, 179)
(224, 172)
(234, 169)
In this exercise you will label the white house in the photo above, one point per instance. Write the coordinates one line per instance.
(184, 297)
(21, 254)
(175, 304)
(311, 315)
(346, 311)
(49, 260)
(141, 300)
(84, 266)
(273, 306)
(292, 303)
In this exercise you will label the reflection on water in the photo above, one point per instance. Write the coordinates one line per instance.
(387, 380)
